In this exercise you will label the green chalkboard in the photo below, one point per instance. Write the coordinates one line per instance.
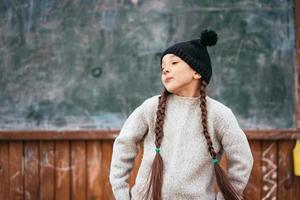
(88, 64)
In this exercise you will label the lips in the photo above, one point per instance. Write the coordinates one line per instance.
(168, 78)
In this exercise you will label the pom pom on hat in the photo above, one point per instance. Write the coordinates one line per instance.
(208, 37)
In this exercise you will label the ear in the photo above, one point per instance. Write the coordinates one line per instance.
(196, 75)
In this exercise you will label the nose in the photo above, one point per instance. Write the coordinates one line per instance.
(165, 70)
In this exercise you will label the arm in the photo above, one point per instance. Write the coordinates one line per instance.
(124, 152)
(237, 151)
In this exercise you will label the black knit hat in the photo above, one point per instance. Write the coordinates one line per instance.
(194, 53)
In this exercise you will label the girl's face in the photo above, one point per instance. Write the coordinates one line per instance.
(178, 77)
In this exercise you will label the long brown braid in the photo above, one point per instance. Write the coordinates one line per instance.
(223, 182)
(156, 175)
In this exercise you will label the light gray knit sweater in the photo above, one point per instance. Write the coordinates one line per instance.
(188, 170)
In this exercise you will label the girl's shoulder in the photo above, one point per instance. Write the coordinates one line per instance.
(149, 107)
(222, 114)
(216, 103)
(217, 107)
(151, 102)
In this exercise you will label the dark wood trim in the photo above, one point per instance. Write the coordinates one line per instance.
(111, 135)
(273, 134)
(297, 63)
(59, 135)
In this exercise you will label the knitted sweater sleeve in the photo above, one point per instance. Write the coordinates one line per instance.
(237, 151)
(124, 152)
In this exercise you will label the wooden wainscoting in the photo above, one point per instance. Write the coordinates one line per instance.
(55, 170)
(75, 165)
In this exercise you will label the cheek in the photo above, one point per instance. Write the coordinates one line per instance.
(183, 75)
(184, 80)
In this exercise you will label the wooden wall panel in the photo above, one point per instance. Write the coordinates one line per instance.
(94, 171)
(31, 170)
(47, 170)
(16, 170)
(288, 184)
(253, 188)
(269, 170)
(106, 155)
(78, 170)
(4, 173)
(62, 170)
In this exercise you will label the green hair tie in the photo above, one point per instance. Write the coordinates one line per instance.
(157, 149)
(215, 161)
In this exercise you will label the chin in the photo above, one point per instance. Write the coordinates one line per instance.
(170, 89)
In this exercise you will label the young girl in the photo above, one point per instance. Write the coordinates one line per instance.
(184, 132)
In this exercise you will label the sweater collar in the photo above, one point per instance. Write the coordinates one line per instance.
(186, 98)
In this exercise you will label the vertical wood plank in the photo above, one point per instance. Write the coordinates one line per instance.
(285, 170)
(94, 158)
(253, 188)
(31, 170)
(4, 183)
(106, 154)
(16, 170)
(62, 170)
(269, 170)
(78, 170)
(296, 184)
(47, 182)
(289, 183)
